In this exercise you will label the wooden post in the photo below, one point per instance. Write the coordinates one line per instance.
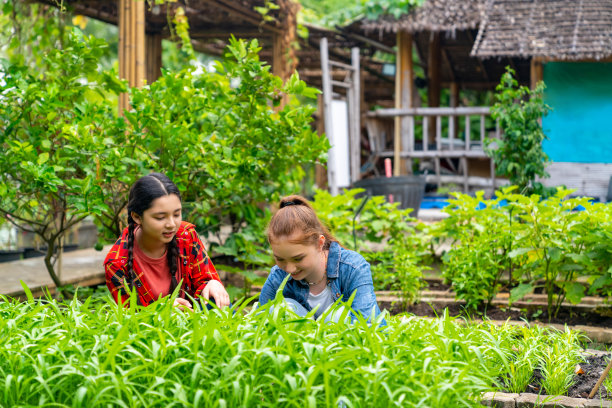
(277, 56)
(132, 63)
(404, 74)
(536, 71)
(433, 78)
(320, 170)
(355, 124)
(327, 110)
(454, 102)
(153, 54)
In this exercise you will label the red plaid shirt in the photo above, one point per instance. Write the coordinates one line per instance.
(194, 267)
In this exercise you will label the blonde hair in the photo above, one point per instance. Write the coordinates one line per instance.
(295, 215)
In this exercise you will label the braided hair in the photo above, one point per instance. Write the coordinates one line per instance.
(142, 194)
(296, 215)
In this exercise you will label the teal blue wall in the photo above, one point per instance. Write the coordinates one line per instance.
(579, 128)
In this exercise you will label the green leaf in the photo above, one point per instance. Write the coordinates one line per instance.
(574, 292)
(43, 158)
(520, 291)
(518, 252)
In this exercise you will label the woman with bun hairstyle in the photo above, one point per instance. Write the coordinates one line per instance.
(321, 271)
(158, 250)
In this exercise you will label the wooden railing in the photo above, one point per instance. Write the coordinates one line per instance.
(440, 143)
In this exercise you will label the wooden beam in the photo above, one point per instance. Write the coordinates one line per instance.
(238, 33)
(449, 64)
(480, 63)
(247, 14)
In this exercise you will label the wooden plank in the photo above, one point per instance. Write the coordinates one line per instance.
(443, 111)
(341, 84)
(588, 179)
(341, 65)
(418, 154)
(474, 181)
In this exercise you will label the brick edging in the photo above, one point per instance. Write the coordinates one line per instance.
(527, 400)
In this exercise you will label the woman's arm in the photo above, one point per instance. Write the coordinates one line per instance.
(365, 299)
(206, 282)
(268, 292)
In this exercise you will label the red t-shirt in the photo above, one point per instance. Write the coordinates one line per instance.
(156, 271)
(195, 269)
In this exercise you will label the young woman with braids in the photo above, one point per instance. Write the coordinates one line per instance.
(321, 271)
(158, 250)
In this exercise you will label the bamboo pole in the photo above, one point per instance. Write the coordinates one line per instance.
(122, 53)
(601, 379)
(140, 62)
(132, 44)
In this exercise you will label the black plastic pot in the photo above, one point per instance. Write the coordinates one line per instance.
(407, 190)
(11, 255)
(31, 252)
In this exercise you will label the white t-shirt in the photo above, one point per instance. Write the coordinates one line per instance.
(324, 300)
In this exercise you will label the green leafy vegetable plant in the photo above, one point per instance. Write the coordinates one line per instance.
(392, 241)
(518, 155)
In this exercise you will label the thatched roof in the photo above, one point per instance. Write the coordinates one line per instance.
(433, 15)
(557, 29)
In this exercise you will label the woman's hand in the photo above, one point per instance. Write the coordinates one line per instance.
(215, 289)
(182, 304)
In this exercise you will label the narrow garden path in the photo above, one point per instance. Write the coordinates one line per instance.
(81, 268)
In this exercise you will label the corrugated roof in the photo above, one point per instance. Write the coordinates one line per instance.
(433, 15)
(559, 29)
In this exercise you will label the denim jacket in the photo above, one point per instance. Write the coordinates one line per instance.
(347, 271)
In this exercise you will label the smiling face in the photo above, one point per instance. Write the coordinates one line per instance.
(160, 222)
(303, 261)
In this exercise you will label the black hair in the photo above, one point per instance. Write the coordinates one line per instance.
(142, 194)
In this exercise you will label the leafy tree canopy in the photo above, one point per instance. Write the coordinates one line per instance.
(331, 13)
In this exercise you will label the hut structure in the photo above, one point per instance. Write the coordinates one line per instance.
(466, 45)
(570, 46)
(441, 33)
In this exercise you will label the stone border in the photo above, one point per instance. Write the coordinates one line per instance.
(526, 400)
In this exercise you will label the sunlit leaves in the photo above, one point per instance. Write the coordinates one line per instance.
(97, 354)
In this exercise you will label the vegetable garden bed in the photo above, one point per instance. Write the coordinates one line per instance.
(94, 353)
